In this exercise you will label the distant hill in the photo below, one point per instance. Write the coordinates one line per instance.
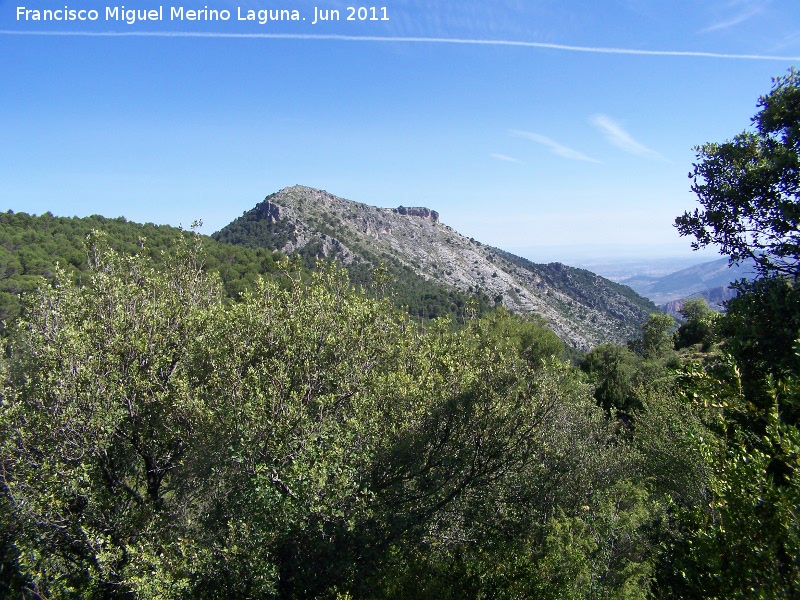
(697, 280)
(581, 307)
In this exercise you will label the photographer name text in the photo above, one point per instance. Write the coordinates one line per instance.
(132, 16)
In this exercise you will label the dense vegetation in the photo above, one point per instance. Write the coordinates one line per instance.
(311, 440)
(31, 246)
(308, 441)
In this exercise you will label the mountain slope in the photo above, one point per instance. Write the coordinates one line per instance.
(696, 280)
(581, 307)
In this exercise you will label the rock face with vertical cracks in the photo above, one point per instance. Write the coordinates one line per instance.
(581, 307)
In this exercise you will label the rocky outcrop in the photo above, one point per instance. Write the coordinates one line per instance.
(418, 211)
(272, 212)
(333, 248)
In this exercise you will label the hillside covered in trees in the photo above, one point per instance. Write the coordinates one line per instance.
(311, 440)
(31, 246)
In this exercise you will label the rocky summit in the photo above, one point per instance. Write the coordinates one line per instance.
(584, 309)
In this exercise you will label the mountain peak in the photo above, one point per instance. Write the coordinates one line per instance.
(292, 195)
(581, 307)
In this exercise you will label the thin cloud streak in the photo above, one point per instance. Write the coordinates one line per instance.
(558, 149)
(505, 158)
(620, 138)
(422, 40)
(738, 19)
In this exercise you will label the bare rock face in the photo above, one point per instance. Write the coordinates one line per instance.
(333, 248)
(582, 308)
(271, 211)
(418, 211)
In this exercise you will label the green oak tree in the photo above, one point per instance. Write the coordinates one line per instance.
(743, 542)
(748, 187)
(698, 326)
(158, 440)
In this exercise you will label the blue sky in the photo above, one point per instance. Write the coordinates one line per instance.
(554, 148)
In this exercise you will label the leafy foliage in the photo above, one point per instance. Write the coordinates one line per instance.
(743, 542)
(31, 246)
(656, 341)
(307, 441)
(614, 371)
(748, 187)
(761, 325)
(698, 327)
(310, 441)
(745, 537)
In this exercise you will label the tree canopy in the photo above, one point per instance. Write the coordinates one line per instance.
(748, 187)
(308, 441)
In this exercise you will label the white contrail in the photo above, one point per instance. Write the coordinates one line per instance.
(423, 40)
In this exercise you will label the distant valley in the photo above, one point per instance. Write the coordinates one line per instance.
(667, 286)
(626, 267)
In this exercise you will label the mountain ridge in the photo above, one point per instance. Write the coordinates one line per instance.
(708, 279)
(584, 309)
